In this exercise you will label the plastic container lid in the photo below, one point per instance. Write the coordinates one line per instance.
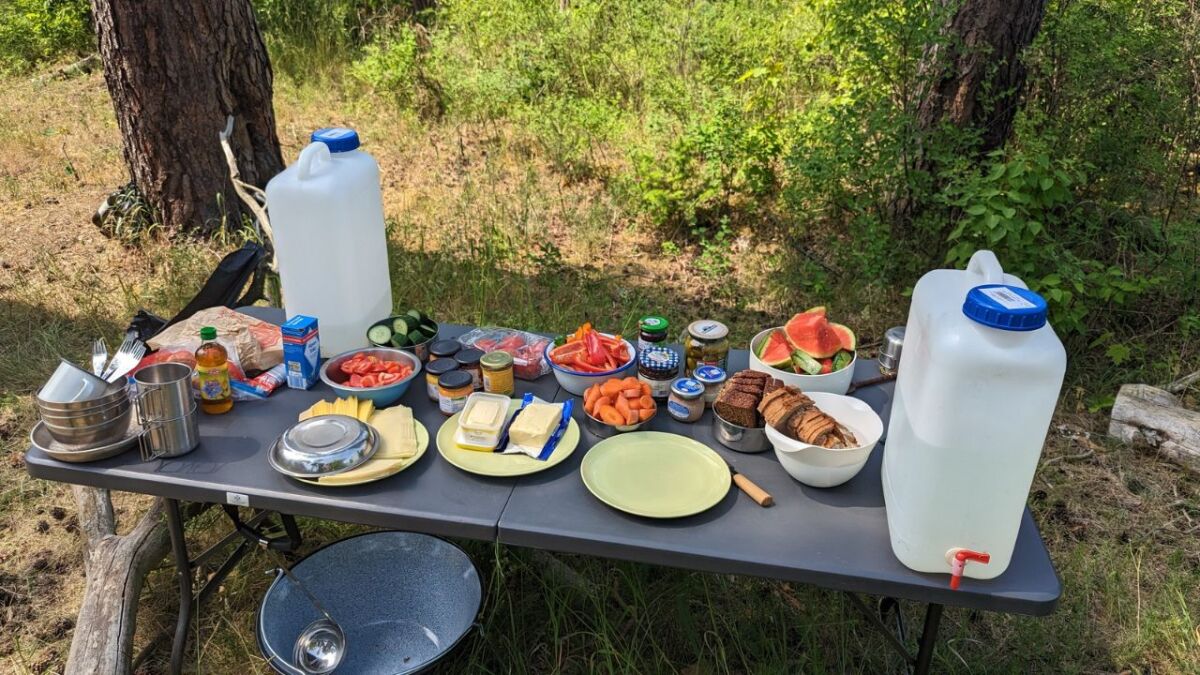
(455, 379)
(338, 139)
(686, 387)
(653, 324)
(709, 374)
(707, 329)
(440, 367)
(1005, 307)
(496, 360)
(468, 357)
(445, 348)
(659, 359)
(208, 333)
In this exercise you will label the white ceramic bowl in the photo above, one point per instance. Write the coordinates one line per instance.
(578, 382)
(821, 467)
(837, 382)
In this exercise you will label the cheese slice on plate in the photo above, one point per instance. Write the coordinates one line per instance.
(365, 409)
(372, 469)
(397, 433)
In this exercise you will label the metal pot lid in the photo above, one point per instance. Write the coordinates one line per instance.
(323, 446)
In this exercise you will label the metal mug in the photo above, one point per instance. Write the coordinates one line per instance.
(164, 392)
(169, 438)
(889, 354)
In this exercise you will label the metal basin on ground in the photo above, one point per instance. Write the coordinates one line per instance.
(403, 599)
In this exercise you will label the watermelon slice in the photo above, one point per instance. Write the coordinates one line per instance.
(812, 334)
(819, 309)
(843, 359)
(775, 350)
(826, 366)
(849, 341)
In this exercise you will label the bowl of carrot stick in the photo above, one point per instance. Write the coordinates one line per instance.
(617, 406)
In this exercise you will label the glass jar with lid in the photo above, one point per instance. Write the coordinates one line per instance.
(653, 331)
(705, 343)
(657, 367)
(433, 372)
(713, 378)
(497, 368)
(686, 403)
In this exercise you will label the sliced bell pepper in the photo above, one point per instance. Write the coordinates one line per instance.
(596, 353)
(581, 363)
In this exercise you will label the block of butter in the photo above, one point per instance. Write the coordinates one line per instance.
(535, 424)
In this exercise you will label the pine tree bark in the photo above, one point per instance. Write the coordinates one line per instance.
(175, 70)
(973, 77)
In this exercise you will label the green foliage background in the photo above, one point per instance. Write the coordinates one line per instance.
(795, 121)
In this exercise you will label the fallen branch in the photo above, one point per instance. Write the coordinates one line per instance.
(1153, 417)
(1180, 385)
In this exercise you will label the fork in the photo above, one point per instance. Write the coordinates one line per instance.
(130, 353)
(99, 356)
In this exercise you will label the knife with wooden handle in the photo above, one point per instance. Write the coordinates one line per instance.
(759, 495)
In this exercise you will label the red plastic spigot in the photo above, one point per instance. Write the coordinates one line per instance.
(958, 558)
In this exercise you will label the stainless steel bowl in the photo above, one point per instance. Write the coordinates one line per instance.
(323, 446)
(96, 434)
(384, 395)
(742, 439)
(87, 418)
(116, 391)
(42, 440)
(602, 429)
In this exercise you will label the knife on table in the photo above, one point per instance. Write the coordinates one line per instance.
(759, 495)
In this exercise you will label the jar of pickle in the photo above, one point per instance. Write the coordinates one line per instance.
(705, 343)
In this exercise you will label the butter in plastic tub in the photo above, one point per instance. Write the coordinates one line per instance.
(482, 421)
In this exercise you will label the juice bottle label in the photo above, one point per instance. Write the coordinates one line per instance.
(213, 381)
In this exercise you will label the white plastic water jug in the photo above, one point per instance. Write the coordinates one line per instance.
(978, 380)
(327, 216)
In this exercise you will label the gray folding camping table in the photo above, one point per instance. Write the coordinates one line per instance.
(834, 538)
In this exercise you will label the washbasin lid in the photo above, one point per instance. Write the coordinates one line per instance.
(403, 599)
(323, 446)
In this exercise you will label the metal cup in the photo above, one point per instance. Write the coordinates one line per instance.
(171, 437)
(164, 392)
(889, 354)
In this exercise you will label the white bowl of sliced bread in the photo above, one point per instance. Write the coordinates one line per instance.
(820, 439)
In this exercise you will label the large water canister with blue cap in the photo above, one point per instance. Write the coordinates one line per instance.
(326, 214)
(977, 385)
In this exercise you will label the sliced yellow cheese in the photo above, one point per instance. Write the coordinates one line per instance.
(372, 469)
(534, 424)
(397, 433)
(365, 410)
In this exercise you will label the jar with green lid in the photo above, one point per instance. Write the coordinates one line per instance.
(653, 331)
(453, 389)
(705, 343)
(433, 371)
(497, 373)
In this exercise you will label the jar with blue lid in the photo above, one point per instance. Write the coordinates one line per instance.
(686, 402)
(657, 367)
(713, 378)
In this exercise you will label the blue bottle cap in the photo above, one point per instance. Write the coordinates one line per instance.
(687, 387)
(1005, 307)
(339, 139)
(709, 374)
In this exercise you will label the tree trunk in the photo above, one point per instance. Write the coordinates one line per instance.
(1152, 417)
(175, 71)
(972, 78)
(116, 566)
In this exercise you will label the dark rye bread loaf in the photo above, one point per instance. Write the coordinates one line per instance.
(739, 398)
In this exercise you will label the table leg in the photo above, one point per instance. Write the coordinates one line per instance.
(933, 616)
(183, 571)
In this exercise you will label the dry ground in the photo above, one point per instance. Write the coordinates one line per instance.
(467, 206)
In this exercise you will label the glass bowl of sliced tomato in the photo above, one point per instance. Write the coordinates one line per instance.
(381, 374)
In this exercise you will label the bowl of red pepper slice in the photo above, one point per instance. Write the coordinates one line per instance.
(381, 374)
(588, 356)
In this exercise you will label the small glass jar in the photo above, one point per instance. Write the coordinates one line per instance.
(444, 349)
(686, 403)
(713, 378)
(453, 389)
(433, 371)
(657, 367)
(497, 373)
(705, 343)
(653, 331)
(468, 361)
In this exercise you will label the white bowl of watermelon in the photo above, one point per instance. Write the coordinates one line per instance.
(569, 359)
(808, 352)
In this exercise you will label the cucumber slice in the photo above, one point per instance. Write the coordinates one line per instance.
(402, 325)
(429, 332)
(804, 364)
(379, 335)
(429, 326)
(400, 341)
(418, 315)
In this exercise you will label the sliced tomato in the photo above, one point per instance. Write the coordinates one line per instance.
(370, 380)
(347, 367)
(356, 380)
(393, 366)
(388, 378)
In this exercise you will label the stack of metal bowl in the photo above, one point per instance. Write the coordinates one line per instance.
(93, 421)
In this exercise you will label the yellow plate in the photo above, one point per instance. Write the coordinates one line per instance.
(422, 445)
(496, 464)
(655, 474)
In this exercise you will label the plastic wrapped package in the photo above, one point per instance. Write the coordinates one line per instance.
(527, 349)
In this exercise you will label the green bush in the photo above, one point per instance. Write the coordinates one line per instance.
(389, 65)
(32, 31)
